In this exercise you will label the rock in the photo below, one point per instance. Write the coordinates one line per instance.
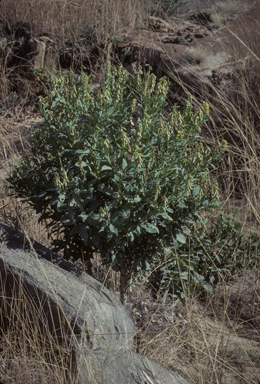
(80, 312)
(159, 25)
(175, 40)
(21, 49)
(51, 51)
(134, 369)
(46, 40)
(226, 50)
(20, 29)
(201, 18)
(199, 35)
(34, 51)
(25, 53)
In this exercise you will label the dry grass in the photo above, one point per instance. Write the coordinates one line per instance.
(210, 341)
(28, 351)
(218, 19)
(229, 7)
(223, 10)
(81, 23)
(235, 118)
(198, 54)
(95, 20)
(205, 347)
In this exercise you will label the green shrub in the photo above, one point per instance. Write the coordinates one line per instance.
(114, 173)
(212, 255)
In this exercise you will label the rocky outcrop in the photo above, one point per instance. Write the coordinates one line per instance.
(22, 51)
(80, 313)
(170, 47)
(19, 48)
(195, 51)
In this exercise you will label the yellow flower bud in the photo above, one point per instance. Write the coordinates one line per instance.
(224, 144)
(206, 107)
(106, 143)
(181, 133)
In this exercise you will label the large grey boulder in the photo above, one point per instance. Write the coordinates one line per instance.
(80, 312)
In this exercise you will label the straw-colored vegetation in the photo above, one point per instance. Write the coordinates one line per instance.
(229, 7)
(218, 19)
(223, 10)
(199, 54)
(210, 339)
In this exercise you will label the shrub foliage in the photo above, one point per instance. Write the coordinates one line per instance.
(117, 172)
(214, 253)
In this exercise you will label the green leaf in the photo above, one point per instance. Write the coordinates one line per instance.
(42, 194)
(94, 205)
(106, 191)
(67, 220)
(115, 215)
(96, 238)
(149, 228)
(55, 103)
(106, 168)
(138, 230)
(113, 229)
(75, 230)
(165, 215)
(84, 216)
(184, 276)
(131, 235)
(196, 191)
(84, 234)
(124, 164)
(181, 238)
(125, 213)
(93, 220)
(198, 279)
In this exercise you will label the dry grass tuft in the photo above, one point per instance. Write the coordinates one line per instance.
(94, 20)
(29, 353)
(229, 7)
(206, 342)
(218, 19)
(222, 10)
(199, 54)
